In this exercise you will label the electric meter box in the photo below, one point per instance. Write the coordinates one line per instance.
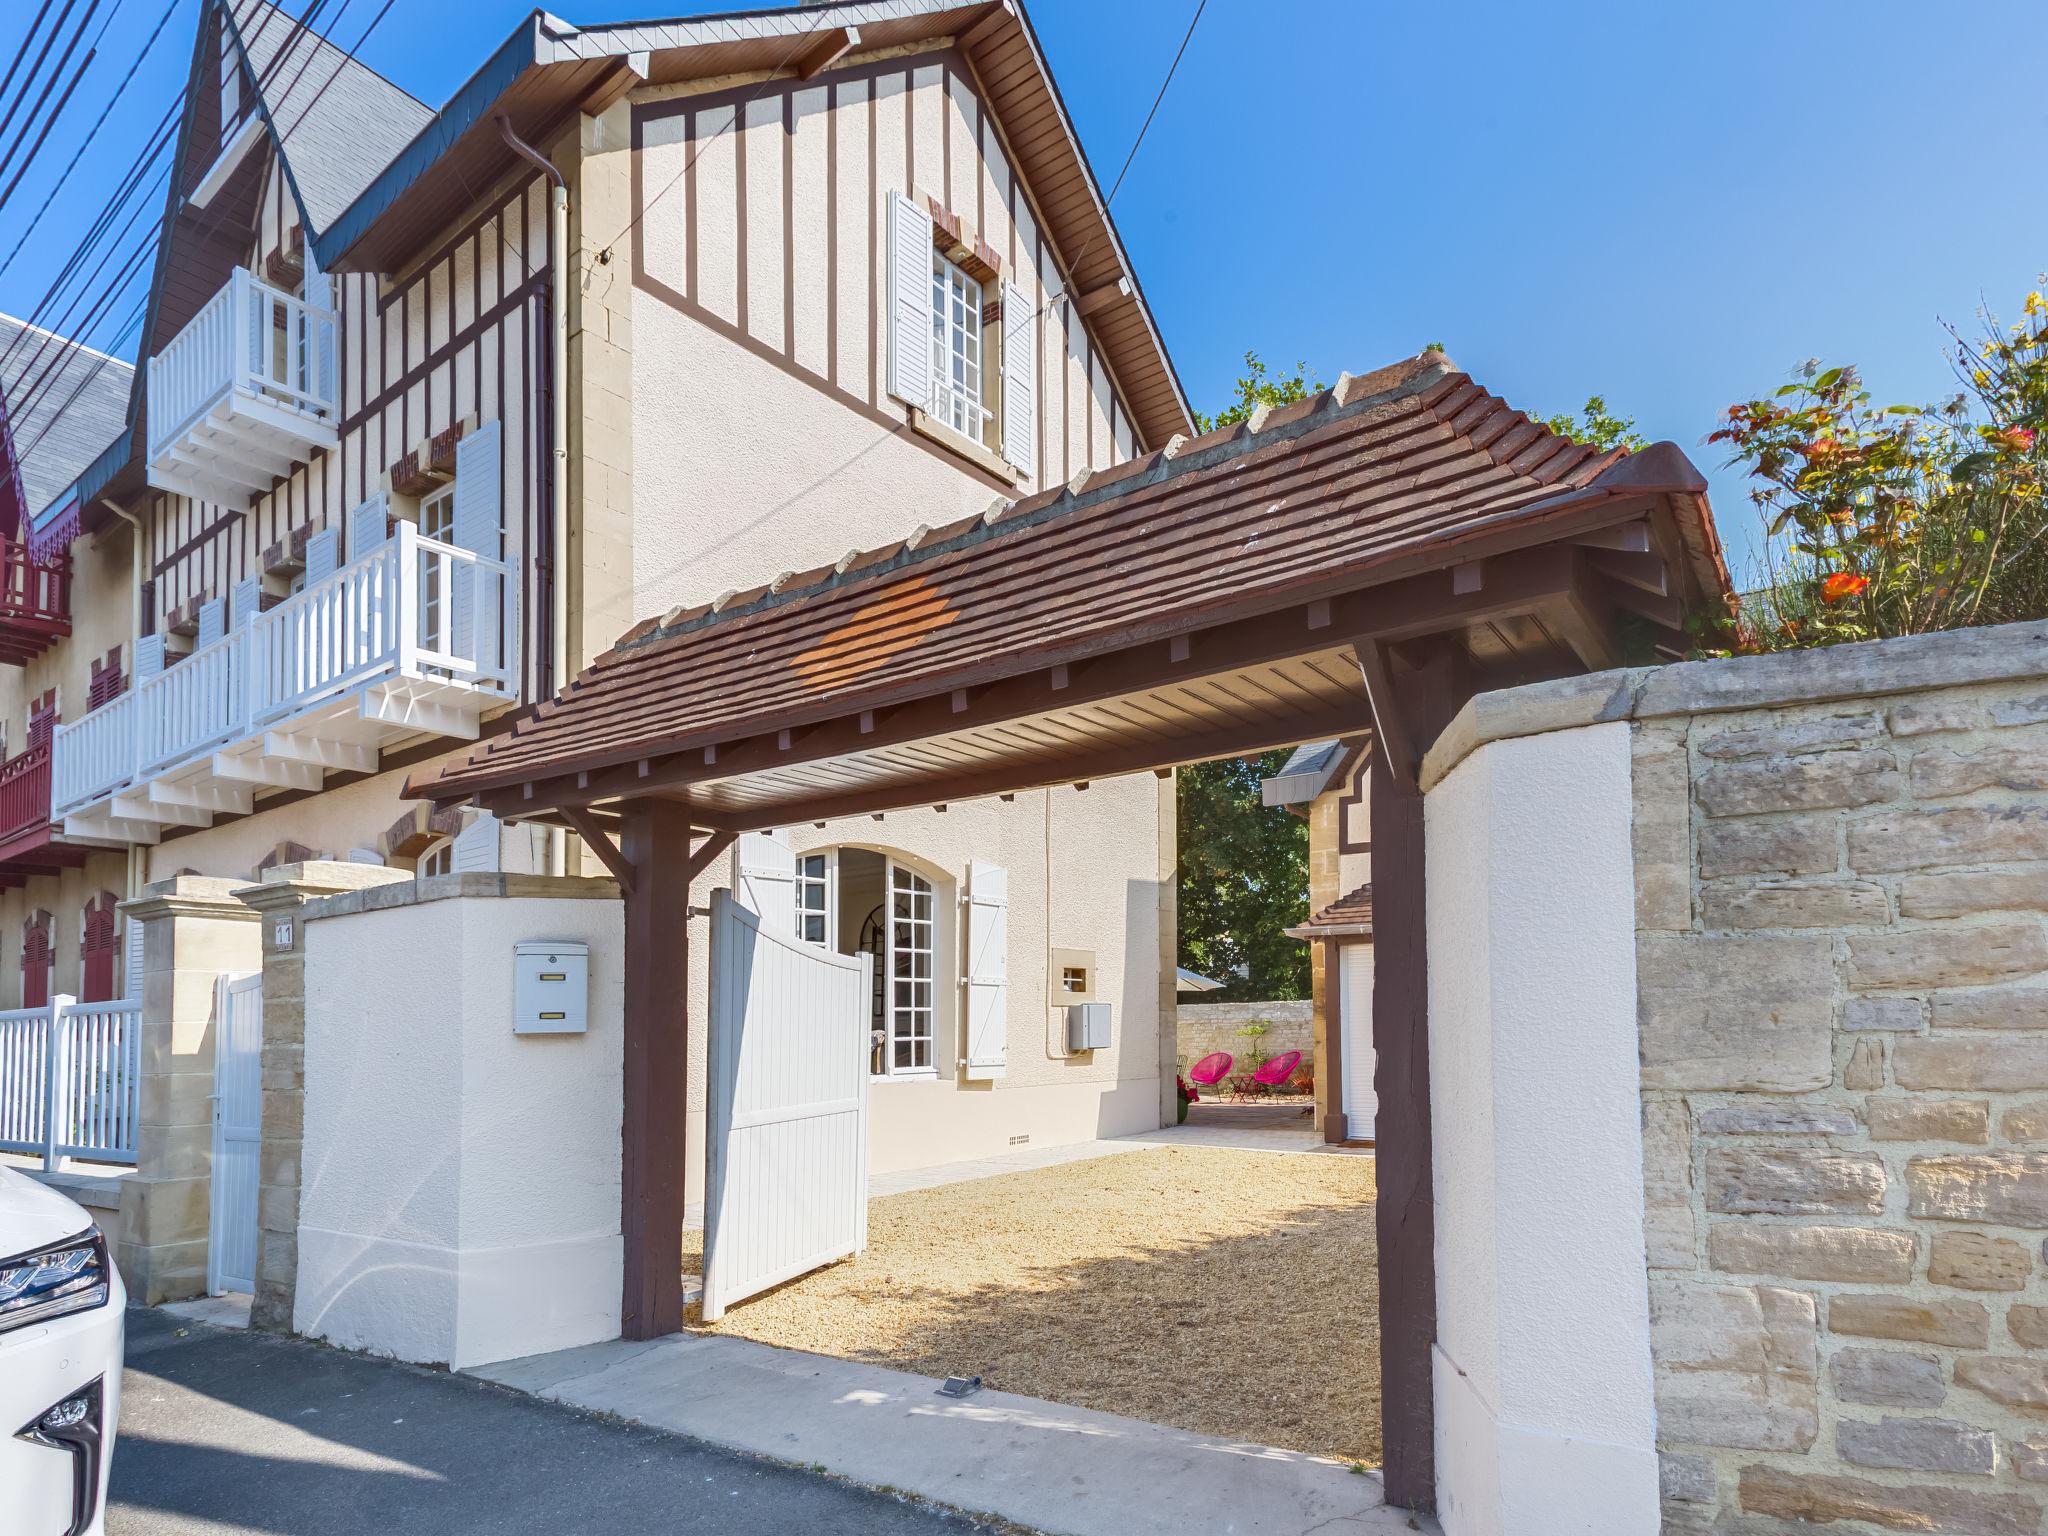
(1087, 1026)
(550, 987)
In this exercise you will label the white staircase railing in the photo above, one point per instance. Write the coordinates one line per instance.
(249, 337)
(70, 1080)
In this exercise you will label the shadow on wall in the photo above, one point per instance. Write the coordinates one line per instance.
(1230, 1293)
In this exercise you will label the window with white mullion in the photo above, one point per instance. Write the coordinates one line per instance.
(913, 998)
(436, 522)
(814, 903)
(956, 349)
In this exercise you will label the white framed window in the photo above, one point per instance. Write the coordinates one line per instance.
(438, 858)
(436, 522)
(957, 349)
(816, 910)
(912, 954)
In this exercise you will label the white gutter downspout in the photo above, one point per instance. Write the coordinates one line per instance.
(558, 383)
(138, 855)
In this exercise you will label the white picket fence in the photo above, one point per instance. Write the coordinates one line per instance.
(69, 1080)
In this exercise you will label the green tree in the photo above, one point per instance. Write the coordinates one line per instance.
(1598, 427)
(1258, 387)
(1243, 879)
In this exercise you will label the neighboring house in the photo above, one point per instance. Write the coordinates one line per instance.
(1324, 782)
(438, 404)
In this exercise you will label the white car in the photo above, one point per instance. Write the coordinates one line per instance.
(61, 1329)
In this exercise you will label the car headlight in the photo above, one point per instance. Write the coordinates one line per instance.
(66, 1277)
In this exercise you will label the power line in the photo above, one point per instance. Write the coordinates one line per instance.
(28, 78)
(56, 74)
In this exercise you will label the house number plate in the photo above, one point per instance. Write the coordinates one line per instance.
(282, 938)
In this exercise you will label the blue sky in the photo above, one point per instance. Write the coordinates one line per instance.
(1670, 205)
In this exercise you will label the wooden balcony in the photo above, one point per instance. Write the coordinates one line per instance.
(30, 843)
(35, 602)
(414, 639)
(242, 394)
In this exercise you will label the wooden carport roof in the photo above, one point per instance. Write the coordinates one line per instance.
(1205, 600)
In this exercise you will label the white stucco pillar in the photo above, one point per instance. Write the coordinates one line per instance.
(1545, 1423)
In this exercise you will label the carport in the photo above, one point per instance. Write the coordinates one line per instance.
(1368, 558)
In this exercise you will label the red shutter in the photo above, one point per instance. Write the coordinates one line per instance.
(35, 961)
(42, 722)
(96, 951)
(107, 681)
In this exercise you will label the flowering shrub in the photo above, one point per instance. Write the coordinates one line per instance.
(1900, 519)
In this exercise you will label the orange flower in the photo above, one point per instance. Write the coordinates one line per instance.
(1842, 584)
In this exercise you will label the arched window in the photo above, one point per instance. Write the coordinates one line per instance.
(96, 950)
(437, 858)
(35, 961)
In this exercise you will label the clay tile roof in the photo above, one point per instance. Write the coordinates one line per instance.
(1397, 471)
(1349, 916)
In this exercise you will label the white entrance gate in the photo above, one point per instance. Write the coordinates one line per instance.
(786, 1125)
(1355, 1053)
(237, 1133)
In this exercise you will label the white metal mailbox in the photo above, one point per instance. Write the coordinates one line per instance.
(550, 987)
(1087, 1026)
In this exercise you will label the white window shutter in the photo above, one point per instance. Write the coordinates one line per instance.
(475, 849)
(910, 302)
(1020, 379)
(213, 623)
(245, 601)
(131, 960)
(479, 525)
(149, 657)
(767, 883)
(988, 954)
(369, 525)
(323, 555)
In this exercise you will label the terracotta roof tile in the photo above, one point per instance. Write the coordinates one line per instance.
(1348, 914)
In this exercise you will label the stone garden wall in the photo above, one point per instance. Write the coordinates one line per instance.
(1206, 1027)
(1842, 977)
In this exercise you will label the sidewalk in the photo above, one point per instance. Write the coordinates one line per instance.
(1067, 1471)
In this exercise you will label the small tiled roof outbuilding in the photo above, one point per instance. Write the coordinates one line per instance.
(1349, 916)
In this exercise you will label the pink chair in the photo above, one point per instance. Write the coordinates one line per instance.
(1276, 1072)
(1211, 1069)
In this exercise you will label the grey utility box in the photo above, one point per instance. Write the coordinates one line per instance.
(1087, 1026)
(550, 987)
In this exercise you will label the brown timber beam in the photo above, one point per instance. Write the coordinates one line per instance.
(828, 50)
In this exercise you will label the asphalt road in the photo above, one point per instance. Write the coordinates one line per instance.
(231, 1432)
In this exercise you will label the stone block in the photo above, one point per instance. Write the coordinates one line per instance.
(1789, 737)
(277, 1162)
(1661, 831)
(1939, 772)
(1958, 1324)
(1790, 1181)
(2027, 711)
(1953, 955)
(2028, 1325)
(1687, 1479)
(1917, 1445)
(160, 1211)
(1864, 1070)
(1990, 1065)
(2025, 1122)
(2017, 1383)
(2002, 1188)
(1976, 1261)
(1964, 893)
(1668, 1234)
(1927, 718)
(1736, 1366)
(1815, 781)
(1964, 1120)
(173, 1151)
(1739, 1012)
(284, 1115)
(1888, 1378)
(277, 1207)
(1993, 1008)
(1776, 1118)
(1818, 1499)
(1903, 1015)
(1976, 834)
(1780, 845)
(1855, 1255)
(1807, 903)
(2029, 1460)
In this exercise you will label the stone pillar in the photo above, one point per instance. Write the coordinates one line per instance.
(285, 889)
(194, 932)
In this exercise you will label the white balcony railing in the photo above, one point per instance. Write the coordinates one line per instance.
(416, 634)
(69, 1080)
(242, 393)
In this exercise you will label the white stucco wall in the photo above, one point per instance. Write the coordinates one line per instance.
(1545, 1420)
(460, 1198)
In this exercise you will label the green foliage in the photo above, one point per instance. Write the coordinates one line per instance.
(1258, 387)
(1598, 427)
(1243, 879)
(1899, 519)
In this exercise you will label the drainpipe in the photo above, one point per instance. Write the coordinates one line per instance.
(558, 383)
(138, 855)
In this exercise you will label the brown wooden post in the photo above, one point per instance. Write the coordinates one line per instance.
(1330, 1066)
(656, 842)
